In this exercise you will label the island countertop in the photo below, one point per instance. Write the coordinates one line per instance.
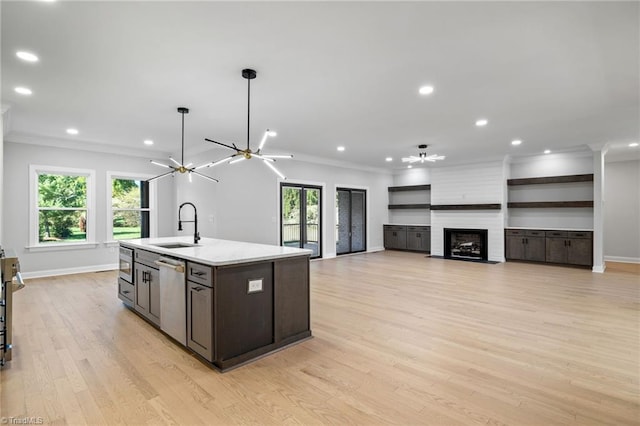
(216, 252)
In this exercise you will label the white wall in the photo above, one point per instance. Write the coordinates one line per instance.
(415, 176)
(245, 205)
(622, 211)
(552, 165)
(18, 157)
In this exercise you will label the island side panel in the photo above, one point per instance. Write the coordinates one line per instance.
(291, 297)
(244, 320)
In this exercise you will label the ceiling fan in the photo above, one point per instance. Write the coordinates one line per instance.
(181, 167)
(248, 153)
(422, 157)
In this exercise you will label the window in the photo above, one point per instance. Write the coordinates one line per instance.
(62, 206)
(131, 213)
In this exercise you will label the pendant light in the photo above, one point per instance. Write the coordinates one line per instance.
(422, 156)
(181, 167)
(248, 153)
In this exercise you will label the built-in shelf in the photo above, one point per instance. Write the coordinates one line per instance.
(409, 188)
(551, 179)
(409, 206)
(549, 204)
(466, 207)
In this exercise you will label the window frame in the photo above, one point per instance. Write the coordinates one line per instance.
(152, 209)
(34, 207)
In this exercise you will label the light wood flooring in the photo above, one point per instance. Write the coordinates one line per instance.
(399, 339)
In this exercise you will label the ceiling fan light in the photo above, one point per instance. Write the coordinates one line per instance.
(272, 133)
(237, 160)
(160, 164)
(278, 156)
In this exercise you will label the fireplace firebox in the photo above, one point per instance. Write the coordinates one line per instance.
(465, 244)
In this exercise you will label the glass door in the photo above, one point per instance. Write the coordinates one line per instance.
(300, 222)
(351, 226)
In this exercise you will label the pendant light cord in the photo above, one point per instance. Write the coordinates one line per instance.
(182, 139)
(248, 108)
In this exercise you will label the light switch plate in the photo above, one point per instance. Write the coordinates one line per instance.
(255, 286)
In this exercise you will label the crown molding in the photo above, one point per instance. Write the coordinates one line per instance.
(34, 139)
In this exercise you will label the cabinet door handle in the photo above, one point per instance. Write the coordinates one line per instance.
(418, 235)
(198, 289)
(197, 273)
(569, 243)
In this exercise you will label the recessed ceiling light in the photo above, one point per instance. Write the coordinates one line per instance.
(482, 122)
(72, 131)
(516, 142)
(426, 90)
(409, 167)
(148, 142)
(388, 159)
(23, 90)
(633, 144)
(27, 56)
(341, 148)
(547, 151)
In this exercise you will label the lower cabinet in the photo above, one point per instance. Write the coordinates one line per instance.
(565, 247)
(126, 292)
(419, 238)
(395, 237)
(570, 247)
(147, 292)
(525, 245)
(402, 237)
(200, 319)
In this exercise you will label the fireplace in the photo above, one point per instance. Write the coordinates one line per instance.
(465, 244)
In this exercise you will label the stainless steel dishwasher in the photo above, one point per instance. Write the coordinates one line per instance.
(173, 313)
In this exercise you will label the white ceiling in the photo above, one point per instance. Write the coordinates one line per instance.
(558, 75)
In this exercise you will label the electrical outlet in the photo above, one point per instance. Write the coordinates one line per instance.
(255, 286)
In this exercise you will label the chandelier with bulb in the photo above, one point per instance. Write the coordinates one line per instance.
(248, 153)
(422, 156)
(181, 167)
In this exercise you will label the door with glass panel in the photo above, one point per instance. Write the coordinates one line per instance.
(300, 222)
(351, 223)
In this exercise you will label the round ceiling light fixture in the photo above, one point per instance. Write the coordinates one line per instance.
(426, 90)
(633, 144)
(516, 142)
(23, 91)
(482, 122)
(26, 56)
(72, 131)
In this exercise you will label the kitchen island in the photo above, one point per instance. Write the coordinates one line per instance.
(226, 301)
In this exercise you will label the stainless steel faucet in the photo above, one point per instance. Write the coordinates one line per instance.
(196, 234)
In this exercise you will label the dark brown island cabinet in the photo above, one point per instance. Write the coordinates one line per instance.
(407, 237)
(227, 320)
(556, 246)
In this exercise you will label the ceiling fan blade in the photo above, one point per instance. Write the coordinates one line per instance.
(176, 163)
(223, 144)
(161, 176)
(160, 164)
(205, 176)
(276, 171)
(237, 160)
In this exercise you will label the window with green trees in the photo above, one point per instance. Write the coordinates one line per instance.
(130, 208)
(62, 212)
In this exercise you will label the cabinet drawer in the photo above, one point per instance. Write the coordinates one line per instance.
(556, 234)
(125, 290)
(579, 234)
(147, 257)
(395, 228)
(200, 274)
(534, 233)
(515, 232)
(418, 228)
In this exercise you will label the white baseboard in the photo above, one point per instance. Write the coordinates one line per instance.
(622, 259)
(69, 271)
(375, 249)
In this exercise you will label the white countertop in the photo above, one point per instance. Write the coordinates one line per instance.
(405, 224)
(216, 252)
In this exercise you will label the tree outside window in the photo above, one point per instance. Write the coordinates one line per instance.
(62, 208)
(130, 207)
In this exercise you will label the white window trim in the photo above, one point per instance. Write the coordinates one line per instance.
(34, 171)
(153, 203)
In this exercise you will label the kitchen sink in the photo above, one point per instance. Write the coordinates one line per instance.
(173, 245)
